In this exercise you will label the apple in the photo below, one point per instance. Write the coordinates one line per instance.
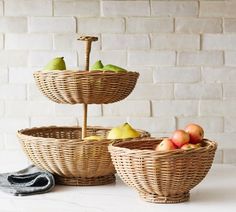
(165, 145)
(195, 132)
(189, 146)
(180, 137)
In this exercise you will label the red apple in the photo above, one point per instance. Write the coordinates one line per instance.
(165, 145)
(189, 146)
(180, 137)
(195, 132)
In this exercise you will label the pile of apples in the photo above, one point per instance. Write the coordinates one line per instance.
(189, 138)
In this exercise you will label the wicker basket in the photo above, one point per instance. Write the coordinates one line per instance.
(161, 177)
(72, 87)
(61, 151)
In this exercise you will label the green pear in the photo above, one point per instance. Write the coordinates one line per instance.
(57, 63)
(97, 66)
(123, 132)
(110, 67)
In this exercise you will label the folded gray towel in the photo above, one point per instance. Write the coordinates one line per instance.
(29, 181)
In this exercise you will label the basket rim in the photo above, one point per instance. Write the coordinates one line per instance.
(147, 152)
(20, 133)
(84, 73)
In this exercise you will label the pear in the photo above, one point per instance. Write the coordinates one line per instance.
(123, 132)
(129, 132)
(97, 66)
(94, 137)
(115, 133)
(110, 67)
(57, 63)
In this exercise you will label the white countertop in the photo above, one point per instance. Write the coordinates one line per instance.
(217, 192)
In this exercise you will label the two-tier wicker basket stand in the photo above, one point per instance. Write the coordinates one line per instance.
(62, 150)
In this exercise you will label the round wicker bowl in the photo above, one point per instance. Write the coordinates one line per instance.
(72, 87)
(61, 151)
(161, 177)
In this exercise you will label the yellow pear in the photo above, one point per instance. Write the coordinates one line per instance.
(115, 133)
(94, 137)
(122, 132)
(129, 132)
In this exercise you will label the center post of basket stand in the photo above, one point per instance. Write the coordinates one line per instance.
(88, 43)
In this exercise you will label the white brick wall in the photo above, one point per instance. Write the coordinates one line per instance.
(184, 51)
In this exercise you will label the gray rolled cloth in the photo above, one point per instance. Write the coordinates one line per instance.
(29, 181)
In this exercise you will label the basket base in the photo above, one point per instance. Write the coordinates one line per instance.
(79, 181)
(154, 198)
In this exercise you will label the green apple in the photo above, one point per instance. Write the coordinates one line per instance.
(97, 66)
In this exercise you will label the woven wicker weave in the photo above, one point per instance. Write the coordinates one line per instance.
(96, 87)
(61, 151)
(161, 177)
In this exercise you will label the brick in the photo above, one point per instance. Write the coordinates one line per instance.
(33, 93)
(28, 41)
(230, 124)
(3, 75)
(198, 91)
(229, 156)
(116, 57)
(174, 8)
(125, 8)
(12, 91)
(16, 159)
(77, 8)
(13, 24)
(13, 58)
(177, 75)
(218, 159)
(201, 58)
(12, 142)
(41, 58)
(77, 110)
(175, 108)
(1, 41)
(217, 108)
(2, 108)
(29, 108)
(175, 42)
(124, 41)
(153, 124)
(150, 58)
(100, 25)
(230, 25)
(210, 124)
(217, 9)
(229, 91)
(224, 140)
(52, 24)
(198, 25)
(106, 121)
(149, 25)
(1, 8)
(1, 141)
(13, 124)
(230, 58)
(152, 91)
(127, 108)
(22, 75)
(145, 73)
(219, 74)
(55, 121)
(219, 42)
(68, 41)
(28, 8)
